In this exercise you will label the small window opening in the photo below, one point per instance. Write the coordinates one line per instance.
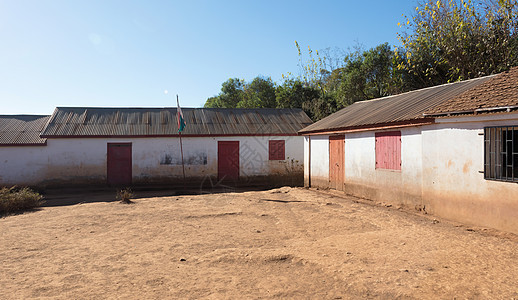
(501, 153)
(276, 149)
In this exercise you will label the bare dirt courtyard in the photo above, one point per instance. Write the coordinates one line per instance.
(282, 243)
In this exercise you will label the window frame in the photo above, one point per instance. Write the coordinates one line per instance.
(496, 151)
(276, 149)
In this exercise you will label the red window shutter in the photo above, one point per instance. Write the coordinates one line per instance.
(388, 150)
(276, 149)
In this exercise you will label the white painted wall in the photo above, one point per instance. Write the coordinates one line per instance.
(360, 162)
(319, 160)
(363, 179)
(83, 160)
(306, 161)
(441, 171)
(454, 184)
(453, 153)
(22, 165)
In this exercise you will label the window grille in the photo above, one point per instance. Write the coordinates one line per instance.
(501, 153)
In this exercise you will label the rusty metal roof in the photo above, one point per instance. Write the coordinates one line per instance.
(501, 91)
(22, 130)
(94, 121)
(408, 106)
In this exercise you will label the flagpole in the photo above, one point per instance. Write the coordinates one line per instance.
(180, 134)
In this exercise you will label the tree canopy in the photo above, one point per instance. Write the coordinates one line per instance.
(447, 41)
(260, 92)
(443, 41)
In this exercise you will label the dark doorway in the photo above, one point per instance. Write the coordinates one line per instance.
(119, 164)
(228, 160)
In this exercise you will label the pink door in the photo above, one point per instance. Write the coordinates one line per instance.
(228, 160)
(119, 164)
(336, 162)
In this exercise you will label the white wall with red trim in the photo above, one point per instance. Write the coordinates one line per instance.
(80, 161)
(442, 171)
(361, 176)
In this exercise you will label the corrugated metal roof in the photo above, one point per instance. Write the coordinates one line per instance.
(392, 109)
(499, 92)
(22, 130)
(93, 121)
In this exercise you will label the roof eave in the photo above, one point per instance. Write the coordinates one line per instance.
(24, 144)
(508, 108)
(369, 127)
(165, 135)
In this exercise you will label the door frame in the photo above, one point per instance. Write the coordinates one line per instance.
(109, 164)
(221, 161)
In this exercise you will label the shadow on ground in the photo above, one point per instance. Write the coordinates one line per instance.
(73, 196)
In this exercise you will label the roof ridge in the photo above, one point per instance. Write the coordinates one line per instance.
(476, 99)
(174, 107)
(69, 122)
(404, 107)
(427, 88)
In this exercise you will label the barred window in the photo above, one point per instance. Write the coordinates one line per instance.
(501, 153)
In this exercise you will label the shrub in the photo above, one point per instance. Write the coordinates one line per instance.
(125, 195)
(16, 199)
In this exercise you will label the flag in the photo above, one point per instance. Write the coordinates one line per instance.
(181, 120)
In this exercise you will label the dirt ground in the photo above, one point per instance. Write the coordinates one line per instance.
(282, 243)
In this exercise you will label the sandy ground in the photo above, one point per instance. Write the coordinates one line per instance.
(283, 243)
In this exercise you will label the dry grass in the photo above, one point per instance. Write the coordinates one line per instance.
(125, 195)
(16, 199)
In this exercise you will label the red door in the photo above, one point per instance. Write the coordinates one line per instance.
(336, 162)
(119, 164)
(228, 160)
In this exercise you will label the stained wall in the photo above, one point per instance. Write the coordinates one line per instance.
(81, 161)
(442, 171)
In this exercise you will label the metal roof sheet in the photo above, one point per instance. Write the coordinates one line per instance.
(22, 130)
(392, 109)
(499, 92)
(94, 121)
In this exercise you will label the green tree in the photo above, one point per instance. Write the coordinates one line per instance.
(292, 93)
(447, 41)
(317, 66)
(232, 93)
(260, 92)
(362, 74)
(236, 93)
(367, 74)
(321, 107)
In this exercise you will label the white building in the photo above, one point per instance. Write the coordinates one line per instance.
(450, 150)
(137, 146)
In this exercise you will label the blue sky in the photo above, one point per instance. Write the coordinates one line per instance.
(127, 53)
